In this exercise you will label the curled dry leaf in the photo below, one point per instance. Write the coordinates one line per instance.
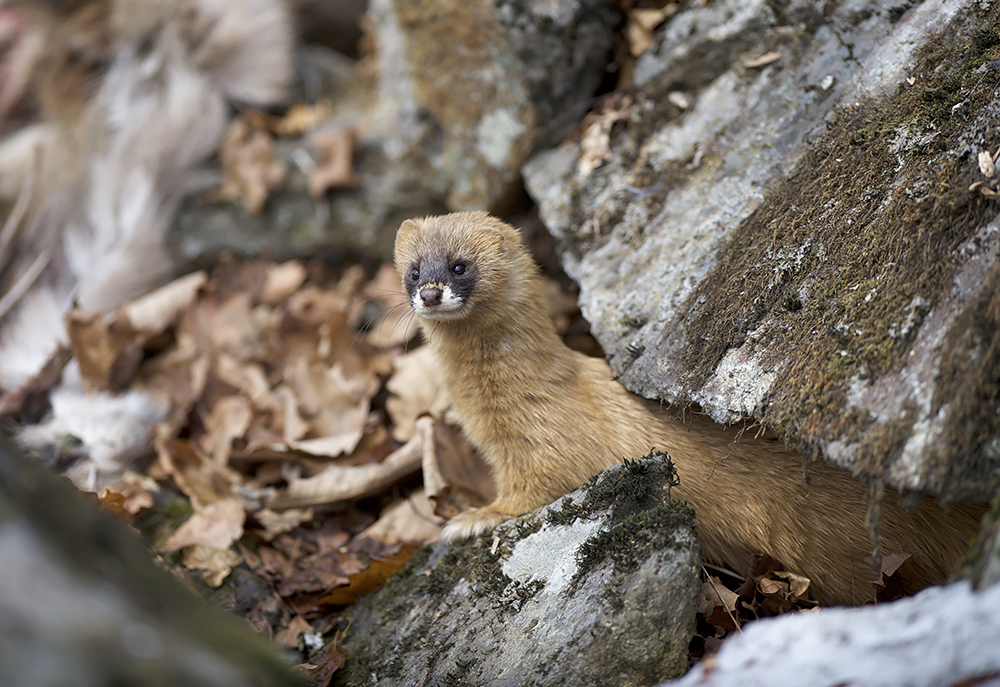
(249, 167)
(278, 523)
(339, 483)
(762, 61)
(216, 563)
(416, 392)
(642, 22)
(409, 521)
(455, 478)
(986, 165)
(336, 169)
(203, 481)
(159, 309)
(595, 144)
(289, 637)
(135, 491)
(217, 525)
(282, 281)
(107, 349)
(229, 419)
(715, 593)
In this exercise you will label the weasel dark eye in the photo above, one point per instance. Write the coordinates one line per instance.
(414, 274)
(458, 269)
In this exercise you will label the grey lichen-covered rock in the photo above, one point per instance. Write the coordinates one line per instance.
(942, 636)
(81, 603)
(467, 88)
(801, 244)
(598, 588)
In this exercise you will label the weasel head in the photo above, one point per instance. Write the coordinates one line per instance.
(455, 265)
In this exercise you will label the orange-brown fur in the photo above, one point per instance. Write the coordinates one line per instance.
(546, 418)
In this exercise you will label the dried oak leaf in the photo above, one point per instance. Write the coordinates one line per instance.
(455, 477)
(370, 579)
(289, 636)
(228, 420)
(276, 523)
(216, 563)
(282, 281)
(336, 170)
(249, 167)
(416, 391)
(329, 660)
(641, 24)
(595, 143)
(216, 525)
(338, 483)
(410, 520)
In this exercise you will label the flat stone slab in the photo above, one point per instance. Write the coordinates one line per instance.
(600, 587)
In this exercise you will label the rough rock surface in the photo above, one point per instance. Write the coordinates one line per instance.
(597, 588)
(942, 636)
(801, 244)
(81, 603)
(467, 88)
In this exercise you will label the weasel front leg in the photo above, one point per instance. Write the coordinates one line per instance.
(476, 521)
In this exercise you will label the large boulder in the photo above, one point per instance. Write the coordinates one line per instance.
(797, 223)
(598, 588)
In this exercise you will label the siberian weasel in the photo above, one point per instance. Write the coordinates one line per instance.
(546, 418)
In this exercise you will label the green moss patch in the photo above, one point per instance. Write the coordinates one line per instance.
(862, 237)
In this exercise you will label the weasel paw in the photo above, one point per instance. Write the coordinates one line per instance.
(472, 523)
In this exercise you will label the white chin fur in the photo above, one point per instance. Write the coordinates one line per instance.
(451, 307)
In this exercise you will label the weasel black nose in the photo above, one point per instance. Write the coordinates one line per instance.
(430, 295)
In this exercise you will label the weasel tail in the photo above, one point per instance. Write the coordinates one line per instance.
(546, 418)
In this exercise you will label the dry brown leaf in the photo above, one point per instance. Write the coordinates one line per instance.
(762, 61)
(107, 349)
(641, 24)
(203, 481)
(278, 523)
(715, 593)
(180, 375)
(986, 165)
(282, 281)
(335, 405)
(336, 150)
(416, 392)
(301, 118)
(135, 491)
(159, 309)
(228, 326)
(229, 420)
(370, 579)
(216, 563)
(595, 144)
(217, 525)
(409, 521)
(289, 637)
(249, 167)
(797, 584)
(339, 483)
(248, 378)
(769, 586)
(329, 660)
(455, 478)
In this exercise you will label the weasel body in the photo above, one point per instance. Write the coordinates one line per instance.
(546, 418)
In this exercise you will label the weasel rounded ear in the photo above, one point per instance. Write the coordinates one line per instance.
(407, 226)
